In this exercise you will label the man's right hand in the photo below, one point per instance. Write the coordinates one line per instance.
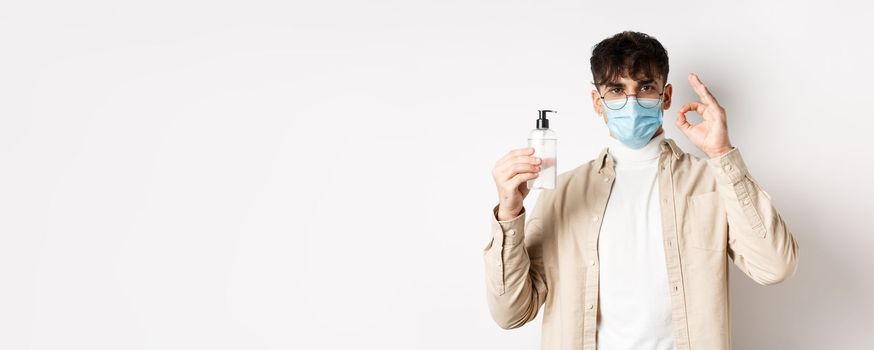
(511, 174)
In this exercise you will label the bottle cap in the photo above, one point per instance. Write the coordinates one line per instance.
(542, 122)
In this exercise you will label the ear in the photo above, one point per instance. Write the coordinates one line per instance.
(669, 89)
(596, 102)
(598, 106)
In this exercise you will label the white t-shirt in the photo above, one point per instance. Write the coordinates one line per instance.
(635, 300)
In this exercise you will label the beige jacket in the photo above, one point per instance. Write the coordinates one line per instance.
(711, 209)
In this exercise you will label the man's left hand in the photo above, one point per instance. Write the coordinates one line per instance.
(711, 134)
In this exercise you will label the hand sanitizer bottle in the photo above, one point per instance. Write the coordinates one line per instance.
(544, 142)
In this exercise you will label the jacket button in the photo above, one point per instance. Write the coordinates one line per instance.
(595, 218)
(590, 306)
(592, 262)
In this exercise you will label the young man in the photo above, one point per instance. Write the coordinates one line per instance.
(629, 251)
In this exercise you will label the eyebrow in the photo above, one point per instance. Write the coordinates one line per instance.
(639, 82)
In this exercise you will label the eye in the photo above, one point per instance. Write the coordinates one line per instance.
(647, 88)
(615, 90)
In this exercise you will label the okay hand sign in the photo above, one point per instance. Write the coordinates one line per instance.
(710, 135)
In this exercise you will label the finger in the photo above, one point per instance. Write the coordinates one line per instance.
(527, 160)
(701, 89)
(682, 123)
(693, 106)
(524, 151)
(508, 164)
(505, 164)
(520, 168)
(518, 179)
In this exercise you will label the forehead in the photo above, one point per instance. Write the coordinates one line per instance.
(627, 81)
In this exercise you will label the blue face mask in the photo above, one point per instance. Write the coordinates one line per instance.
(633, 124)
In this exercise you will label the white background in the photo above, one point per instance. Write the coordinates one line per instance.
(316, 175)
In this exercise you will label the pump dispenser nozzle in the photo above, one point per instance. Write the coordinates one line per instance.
(542, 122)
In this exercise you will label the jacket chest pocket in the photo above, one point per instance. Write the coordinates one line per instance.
(708, 228)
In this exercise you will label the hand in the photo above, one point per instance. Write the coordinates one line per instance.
(511, 174)
(710, 135)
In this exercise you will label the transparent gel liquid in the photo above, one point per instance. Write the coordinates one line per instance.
(544, 142)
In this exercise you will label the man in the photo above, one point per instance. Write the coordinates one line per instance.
(630, 250)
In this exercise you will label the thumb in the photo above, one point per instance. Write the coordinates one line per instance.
(523, 189)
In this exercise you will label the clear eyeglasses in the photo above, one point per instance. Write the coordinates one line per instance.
(647, 97)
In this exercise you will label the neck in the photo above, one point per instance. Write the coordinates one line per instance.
(624, 155)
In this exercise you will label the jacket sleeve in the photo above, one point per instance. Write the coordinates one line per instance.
(515, 279)
(759, 242)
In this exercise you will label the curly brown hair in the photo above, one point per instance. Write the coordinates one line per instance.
(628, 54)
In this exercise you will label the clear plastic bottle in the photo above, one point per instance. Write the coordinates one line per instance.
(544, 142)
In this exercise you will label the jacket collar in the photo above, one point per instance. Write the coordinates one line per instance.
(606, 159)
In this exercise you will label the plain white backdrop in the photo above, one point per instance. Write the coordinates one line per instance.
(316, 175)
